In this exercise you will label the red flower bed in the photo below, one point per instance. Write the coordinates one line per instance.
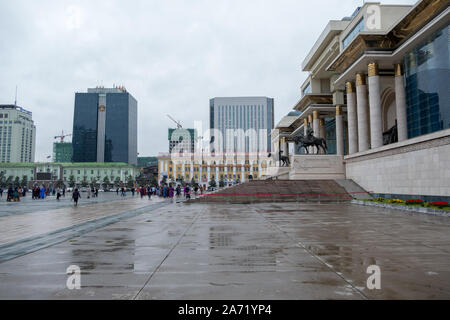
(414, 201)
(439, 204)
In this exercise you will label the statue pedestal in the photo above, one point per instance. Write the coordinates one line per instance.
(317, 167)
(281, 173)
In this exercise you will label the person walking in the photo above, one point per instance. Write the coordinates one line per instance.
(75, 196)
(58, 194)
(42, 195)
(1, 192)
(16, 194)
(88, 193)
(178, 191)
(187, 192)
(10, 194)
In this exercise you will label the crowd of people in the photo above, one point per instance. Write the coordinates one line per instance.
(14, 193)
(170, 191)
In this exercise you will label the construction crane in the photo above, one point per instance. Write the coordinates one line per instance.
(177, 122)
(62, 136)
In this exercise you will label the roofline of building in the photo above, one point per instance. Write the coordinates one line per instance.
(417, 17)
(240, 97)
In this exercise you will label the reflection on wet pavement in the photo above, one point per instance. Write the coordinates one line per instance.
(262, 251)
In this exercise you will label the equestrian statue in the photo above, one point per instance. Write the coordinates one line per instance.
(310, 140)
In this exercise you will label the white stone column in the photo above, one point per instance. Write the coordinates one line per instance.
(363, 113)
(352, 119)
(376, 126)
(316, 124)
(322, 132)
(285, 148)
(316, 127)
(183, 168)
(400, 103)
(339, 132)
(310, 125)
(225, 175)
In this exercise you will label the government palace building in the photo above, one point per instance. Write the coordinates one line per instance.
(378, 92)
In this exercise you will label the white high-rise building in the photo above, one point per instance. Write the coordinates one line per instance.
(248, 116)
(17, 134)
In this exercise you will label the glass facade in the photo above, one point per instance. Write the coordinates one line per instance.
(307, 89)
(427, 74)
(84, 142)
(120, 128)
(330, 135)
(352, 35)
(116, 128)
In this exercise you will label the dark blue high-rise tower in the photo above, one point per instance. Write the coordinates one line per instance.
(105, 126)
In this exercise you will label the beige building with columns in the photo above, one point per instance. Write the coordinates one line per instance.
(204, 168)
(378, 92)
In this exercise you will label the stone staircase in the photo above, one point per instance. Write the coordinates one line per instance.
(316, 191)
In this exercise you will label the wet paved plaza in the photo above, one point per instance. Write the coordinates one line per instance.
(154, 249)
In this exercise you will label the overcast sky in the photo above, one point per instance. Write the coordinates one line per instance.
(172, 56)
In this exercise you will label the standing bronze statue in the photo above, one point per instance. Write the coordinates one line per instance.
(283, 159)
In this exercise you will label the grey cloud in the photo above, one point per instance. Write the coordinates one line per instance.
(171, 55)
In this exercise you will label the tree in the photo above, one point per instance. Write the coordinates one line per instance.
(212, 183)
(142, 179)
(106, 182)
(84, 183)
(117, 182)
(71, 181)
(60, 184)
(221, 182)
(2, 180)
(130, 181)
(24, 182)
(9, 181)
(17, 182)
(153, 180)
(95, 183)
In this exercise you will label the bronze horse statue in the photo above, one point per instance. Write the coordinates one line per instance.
(310, 140)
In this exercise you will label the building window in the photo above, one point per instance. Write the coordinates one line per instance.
(355, 31)
(307, 89)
